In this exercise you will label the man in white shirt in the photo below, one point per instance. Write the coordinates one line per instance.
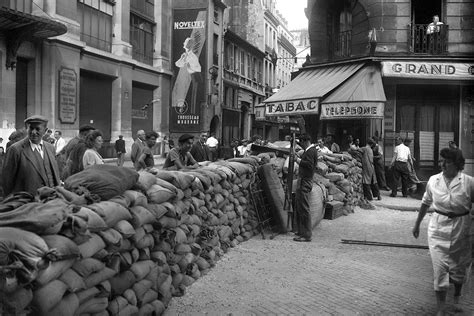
(399, 166)
(213, 143)
(59, 143)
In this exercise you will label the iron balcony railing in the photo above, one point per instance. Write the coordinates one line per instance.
(422, 43)
(25, 6)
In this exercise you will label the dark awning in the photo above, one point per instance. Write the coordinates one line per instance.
(19, 26)
(303, 94)
(361, 96)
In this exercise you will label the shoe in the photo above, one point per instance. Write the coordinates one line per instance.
(393, 194)
(302, 239)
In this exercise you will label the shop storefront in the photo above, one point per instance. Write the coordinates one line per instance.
(432, 104)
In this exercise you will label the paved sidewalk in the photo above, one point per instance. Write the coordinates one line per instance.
(324, 277)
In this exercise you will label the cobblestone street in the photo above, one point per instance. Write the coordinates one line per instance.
(324, 277)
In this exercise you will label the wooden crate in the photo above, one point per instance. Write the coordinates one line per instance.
(333, 210)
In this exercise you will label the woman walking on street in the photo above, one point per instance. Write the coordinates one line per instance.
(451, 193)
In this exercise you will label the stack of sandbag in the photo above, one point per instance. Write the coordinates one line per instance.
(341, 175)
(128, 254)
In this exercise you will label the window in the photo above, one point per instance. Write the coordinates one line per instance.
(215, 50)
(216, 15)
(143, 7)
(249, 67)
(141, 38)
(242, 63)
(95, 18)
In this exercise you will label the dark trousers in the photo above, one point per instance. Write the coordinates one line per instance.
(120, 159)
(371, 189)
(302, 214)
(400, 169)
(380, 173)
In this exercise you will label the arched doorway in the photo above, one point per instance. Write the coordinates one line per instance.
(214, 126)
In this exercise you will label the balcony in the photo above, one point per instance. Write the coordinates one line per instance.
(25, 6)
(434, 44)
(145, 8)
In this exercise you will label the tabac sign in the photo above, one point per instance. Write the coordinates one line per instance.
(296, 107)
(351, 110)
(428, 70)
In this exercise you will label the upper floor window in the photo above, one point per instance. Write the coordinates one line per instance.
(141, 38)
(95, 17)
(216, 15)
(339, 28)
(428, 30)
(143, 7)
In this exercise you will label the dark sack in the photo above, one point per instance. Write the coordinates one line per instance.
(106, 181)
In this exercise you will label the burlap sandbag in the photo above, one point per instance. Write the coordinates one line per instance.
(122, 281)
(159, 257)
(94, 222)
(130, 296)
(111, 212)
(73, 280)
(87, 266)
(146, 242)
(135, 198)
(158, 210)
(125, 228)
(67, 306)
(145, 180)
(16, 302)
(179, 179)
(46, 297)
(141, 268)
(93, 306)
(334, 176)
(118, 304)
(158, 194)
(92, 246)
(98, 277)
(141, 216)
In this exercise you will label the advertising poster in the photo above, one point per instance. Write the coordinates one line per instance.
(189, 66)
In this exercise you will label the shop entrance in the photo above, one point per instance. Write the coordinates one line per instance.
(340, 129)
(429, 114)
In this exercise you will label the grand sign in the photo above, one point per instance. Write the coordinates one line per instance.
(427, 70)
(351, 111)
(296, 107)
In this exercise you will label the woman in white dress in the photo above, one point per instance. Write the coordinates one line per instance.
(91, 156)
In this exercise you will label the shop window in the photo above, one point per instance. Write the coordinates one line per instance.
(141, 38)
(95, 18)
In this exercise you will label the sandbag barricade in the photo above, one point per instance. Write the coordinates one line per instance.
(129, 254)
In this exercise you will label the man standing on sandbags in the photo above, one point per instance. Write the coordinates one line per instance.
(307, 166)
(30, 163)
(181, 158)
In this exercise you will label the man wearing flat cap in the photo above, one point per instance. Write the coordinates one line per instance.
(181, 158)
(74, 151)
(30, 163)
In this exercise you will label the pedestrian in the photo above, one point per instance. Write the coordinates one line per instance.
(74, 151)
(138, 146)
(257, 140)
(120, 150)
(200, 149)
(399, 166)
(93, 143)
(349, 143)
(451, 194)
(213, 144)
(369, 180)
(307, 165)
(180, 157)
(48, 136)
(146, 159)
(243, 148)
(234, 145)
(412, 177)
(59, 142)
(322, 148)
(452, 144)
(379, 165)
(29, 164)
(332, 145)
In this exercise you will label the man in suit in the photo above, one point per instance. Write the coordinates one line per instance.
(120, 149)
(138, 146)
(200, 150)
(30, 163)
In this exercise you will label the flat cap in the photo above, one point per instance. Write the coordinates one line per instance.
(85, 128)
(36, 119)
(120, 136)
(185, 137)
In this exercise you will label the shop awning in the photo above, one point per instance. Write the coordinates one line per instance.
(362, 96)
(304, 93)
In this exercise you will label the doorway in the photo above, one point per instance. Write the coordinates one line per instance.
(430, 114)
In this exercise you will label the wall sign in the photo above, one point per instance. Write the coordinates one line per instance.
(67, 95)
(304, 106)
(352, 111)
(426, 70)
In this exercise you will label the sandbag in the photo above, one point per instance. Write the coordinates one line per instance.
(98, 277)
(130, 296)
(125, 228)
(274, 192)
(92, 246)
(135, 198)
(158, 194)
(145, 180)
(158, 210)
(334, 176)
(94, 222)
(111, 212)
(141, 216)
(104, 180)
(16, 302)
(67, 306)
(73, 280)
(93, 305)
(180, 180)
(53, 271)
(118, 304)
(121, 282)
(141, 268)
(111, 236)
(166, 184)
(46, 297)
(40, 218)
(87, 266)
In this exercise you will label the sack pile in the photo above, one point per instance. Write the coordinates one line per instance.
(341, 174)
(129, 254)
